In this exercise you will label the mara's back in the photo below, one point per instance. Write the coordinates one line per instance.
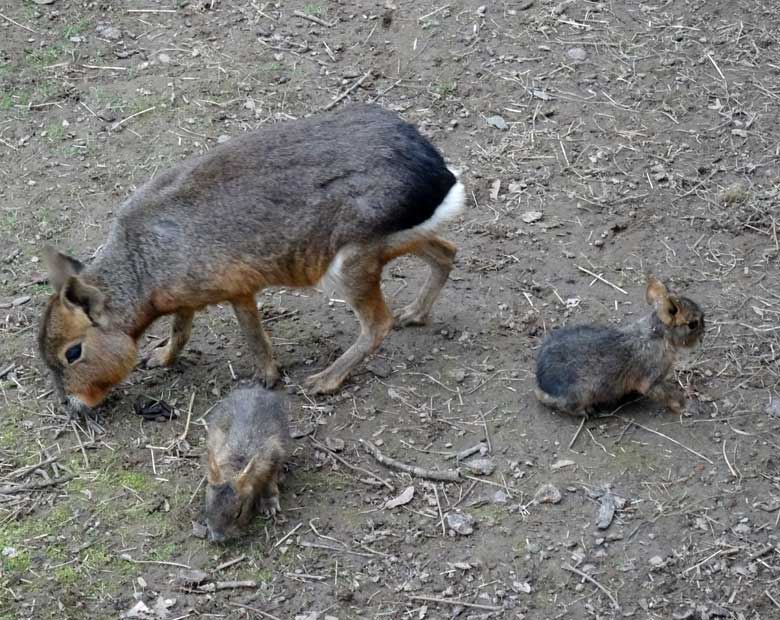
(348, 176)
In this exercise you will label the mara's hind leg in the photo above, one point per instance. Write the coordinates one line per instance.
(248, 317)
(440, 257)
(360, 280)
(181, 328)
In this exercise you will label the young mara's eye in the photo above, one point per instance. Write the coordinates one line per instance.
(693, 324)
(73, 353)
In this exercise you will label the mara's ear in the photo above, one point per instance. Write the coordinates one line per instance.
(658, 296)
(61, 267)
(245, 479)
(214, 473)
(75, 293)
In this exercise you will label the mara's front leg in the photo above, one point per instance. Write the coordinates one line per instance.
(181, 328)
(248, 317)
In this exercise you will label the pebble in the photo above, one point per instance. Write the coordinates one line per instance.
(222, 139)
(191, 577)
(547, 494)
(334, 443)
(498, 122)
(530, 217)
(500, 497)
(773, 408)
(480, 467)
(109, 32)
(657, 561)
(577, 53)
(562, 463)
(20, 301)
(460, 522)
(164, 58)
(199, 530)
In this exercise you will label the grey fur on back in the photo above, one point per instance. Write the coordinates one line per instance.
(287, 194)
(247, 418)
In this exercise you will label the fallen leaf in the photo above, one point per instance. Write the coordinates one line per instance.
(403, 499)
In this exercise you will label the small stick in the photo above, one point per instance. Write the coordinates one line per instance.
(34, 486)
(197, 488)
(346, 92)
(18, 24)
(350, 466)
(314, 18)
(449, 601)
(446, 476)
(725, 458)
(107, 68)
(600, 279)
(771, 598)
(255, 610)
(183, 436)
(487, 433)
(124, 120)
(127, 558)
(226, 585)
(587, 577)
(674, 441)
(434, 12)
(464, 454)
(151, 10)
(579, 430)
(230, 563)
(441, 514)
(287, 535)
(312, 545)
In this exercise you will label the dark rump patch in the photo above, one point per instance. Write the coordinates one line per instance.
(426, 180)
(554, 376)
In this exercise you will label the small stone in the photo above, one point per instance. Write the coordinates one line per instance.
(459, 375)
(480, 467)
(521, 587)
(609, 503)
(657, 561)
(498, 122)
(222, 139)
(577, 54)
(742, 528)
(191, 577)
(109, 32)
(560, 464)
(20, 301)
(547, 494)
(773, 408)
(10, 552)
(529, 217)
(199, 530)
(500, 497)
(164, 59)
(334, 443)
(460, 523)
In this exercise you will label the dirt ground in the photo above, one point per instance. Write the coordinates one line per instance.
(607, 138)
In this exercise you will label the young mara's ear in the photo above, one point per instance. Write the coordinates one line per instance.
(658, 296)
(245, 479)
(75, 293)
(214, 473)
(61, 267)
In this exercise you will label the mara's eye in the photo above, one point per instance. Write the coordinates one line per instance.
(73, 353)
(693, 324)
(673, 310)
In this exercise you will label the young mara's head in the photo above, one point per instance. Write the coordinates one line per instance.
(682, 318)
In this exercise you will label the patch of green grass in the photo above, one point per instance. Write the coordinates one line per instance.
(55, 132)
(314, 9)
(43, 56)
(6, 102)
(65, 575)
(135, 480)
(19, 563)
(445, 89)
(74, 29)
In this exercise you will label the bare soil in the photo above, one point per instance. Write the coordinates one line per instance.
(608, 138)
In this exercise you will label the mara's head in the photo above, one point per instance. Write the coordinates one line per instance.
(85, 355)
(228, 501)
(682, 319)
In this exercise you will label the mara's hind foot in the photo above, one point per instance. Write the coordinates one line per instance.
(439, 255)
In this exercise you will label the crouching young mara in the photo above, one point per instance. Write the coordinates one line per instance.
(581, 368)
(339, 194)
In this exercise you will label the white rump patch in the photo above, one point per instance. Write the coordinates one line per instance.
(448, 209)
